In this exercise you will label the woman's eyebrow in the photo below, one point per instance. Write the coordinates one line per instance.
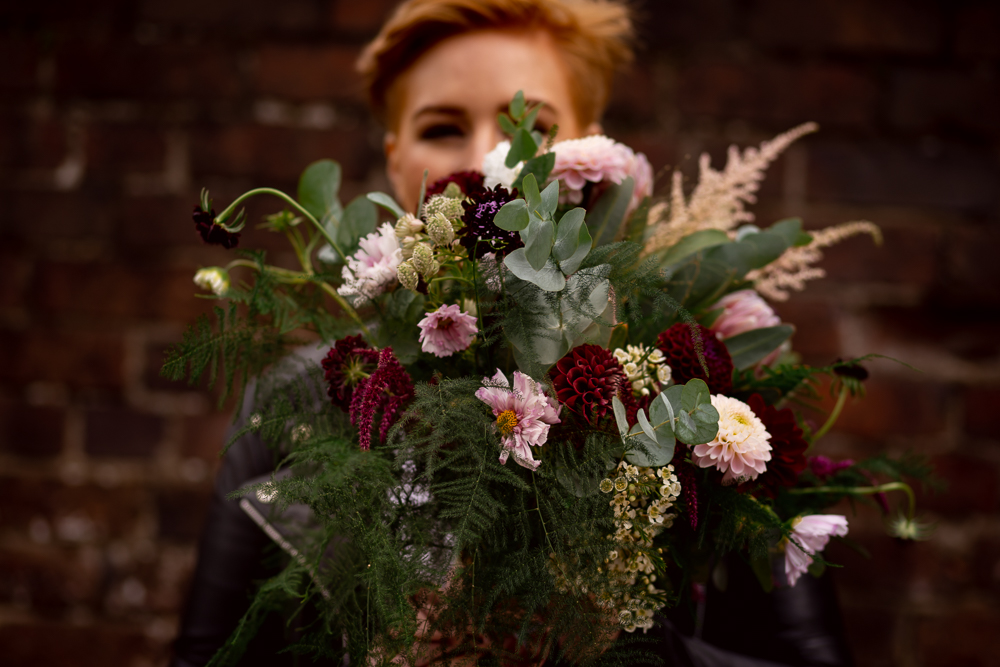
(443, 110)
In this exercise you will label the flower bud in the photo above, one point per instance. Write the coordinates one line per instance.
(440, 230)
(448, 207)
(214, 278)
(408, 225)
(407, 275)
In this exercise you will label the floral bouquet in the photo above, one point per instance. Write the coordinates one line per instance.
(546, 404)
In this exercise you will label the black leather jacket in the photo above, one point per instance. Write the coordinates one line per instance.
(743, 626)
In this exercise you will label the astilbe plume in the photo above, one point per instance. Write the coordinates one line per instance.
(678, 347)
(720, 198)
(387, 389)
(788, 448)
(480, 236)
(345, 367)
(211, 233)
(587, 379)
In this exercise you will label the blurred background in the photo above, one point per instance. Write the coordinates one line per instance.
(114, 113)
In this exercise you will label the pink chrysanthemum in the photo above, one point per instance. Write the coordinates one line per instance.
(523, 414)
(809, 535)
(740, 448)
(373, 267)
(446, 331)
(599, 159)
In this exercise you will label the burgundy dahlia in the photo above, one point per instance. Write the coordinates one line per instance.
(469, 182)
(587, 379)
(347, 365)
(678, 346)
(387, 390)
(204, 222)
(788, 448)
(480, 236)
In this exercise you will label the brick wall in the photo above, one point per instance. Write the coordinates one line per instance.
(114, 113)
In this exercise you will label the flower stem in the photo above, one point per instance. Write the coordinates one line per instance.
(832, 419)
(342, 302)
(288, 200)
(865, 491)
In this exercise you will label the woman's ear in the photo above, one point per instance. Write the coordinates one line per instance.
(594, 128)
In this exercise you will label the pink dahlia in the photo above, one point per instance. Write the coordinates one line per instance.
(446, 331)
(741, 446)
(599, 159)
(809, 535)
(373, 267)
(523, 414)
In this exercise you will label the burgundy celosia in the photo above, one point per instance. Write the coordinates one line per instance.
(348, 363)
(204, 222)
(788, 448)
(587, 379)
(468, 181)
(386, 390)
(689, 486)
(678, 347)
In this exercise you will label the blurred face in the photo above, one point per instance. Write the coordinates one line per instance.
(445, 106)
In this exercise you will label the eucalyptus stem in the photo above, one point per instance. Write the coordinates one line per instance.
(288, 200)
(865, 491)
(832, 419)
(342, 302)
(286, 274)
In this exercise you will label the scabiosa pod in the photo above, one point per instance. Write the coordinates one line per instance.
(214, 279)
(810, 535)
(446, 331)
(523, 415)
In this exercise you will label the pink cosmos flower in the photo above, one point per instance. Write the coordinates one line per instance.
(600, 159)
(811, 533)
(523, 414)
(373, 267)
(741, 446)
(446, 331)
(744, 311)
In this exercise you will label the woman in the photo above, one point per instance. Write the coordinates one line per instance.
(438, 74)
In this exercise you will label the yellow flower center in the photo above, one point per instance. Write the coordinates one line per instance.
(506, 422)
(742, 419)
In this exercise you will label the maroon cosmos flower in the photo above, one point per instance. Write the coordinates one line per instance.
(204, 222)
(386, 390)
(587, 379)
(480, 236)
(788, 449)
(348, 363)
(678, 347)
(468, 182)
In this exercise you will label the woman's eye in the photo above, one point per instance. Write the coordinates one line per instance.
(441, 131)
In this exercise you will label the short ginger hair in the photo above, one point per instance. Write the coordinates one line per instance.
(594, 37)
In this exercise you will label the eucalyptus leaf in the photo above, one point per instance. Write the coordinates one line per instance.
(548, 278)
(621, 417)
(649, 453)
(359, 220)
(517, 105)
(319, 189)
(528, 122)
(503, 120)
(538, 244)
(607, 215)
(387, 202)
(540, 166)
(644, 424)
(522, 147)
(550, 199)
(749, 347)
(531, 194)
(788, 229)
(512, 216)
(568, 234)
(692, 243)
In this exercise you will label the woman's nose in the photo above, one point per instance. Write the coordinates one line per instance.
(485, 137)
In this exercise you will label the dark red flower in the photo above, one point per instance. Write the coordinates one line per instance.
(823, 467)
(479, 235)
(678, 347)
(204, 222)
(587, 379)
(386, 390)
(348, 363)
(689, 485)
(467, 181)
(788, 448)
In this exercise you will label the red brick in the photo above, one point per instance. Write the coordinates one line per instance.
(120, 432)
(29, 143)
(907, 255)
(308, 73)
(49, 579)
(269, 154)
(121, 68)
(982, 404)
(853, 26)
(204, 437)
(16, 270)
(44, 218)
(20, 57)
(109, 513)
(946, 101)
(967, 638)
(878, 173)
(77, 358)
(757, 90)
(816, 335)
(116, 149)
(893, 406)
(985, 565)
(30, 645)
(33, 432)
(976, 30)
(181, 513)
(948, 329)
(364, 17)
(238, 18)
(972, 485)
(972, 271)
